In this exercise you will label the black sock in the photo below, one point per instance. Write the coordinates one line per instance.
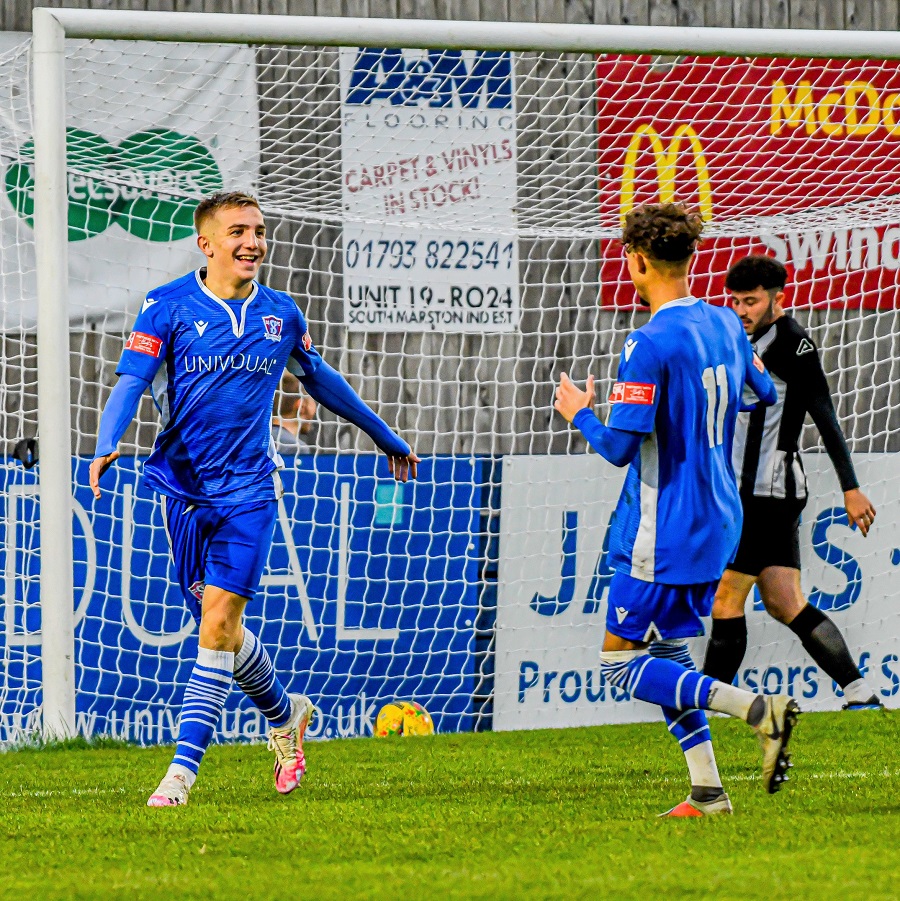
(706, 793)
(726, 648)
(825, 644)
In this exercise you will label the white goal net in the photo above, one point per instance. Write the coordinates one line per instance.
(448, 221)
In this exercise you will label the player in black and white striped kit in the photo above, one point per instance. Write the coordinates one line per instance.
(774, 491)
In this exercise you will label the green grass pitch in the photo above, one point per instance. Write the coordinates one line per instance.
(550, 814)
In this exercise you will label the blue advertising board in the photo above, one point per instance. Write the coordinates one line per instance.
(370, 594)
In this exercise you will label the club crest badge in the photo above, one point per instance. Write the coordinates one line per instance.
(197, 589)
(273, 327)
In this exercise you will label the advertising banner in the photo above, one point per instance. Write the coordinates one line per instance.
(428, 149)
(553, 594)
(799, 145)
(370, 595)
(151, 129)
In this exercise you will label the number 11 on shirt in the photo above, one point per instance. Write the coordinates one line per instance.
(715, 406)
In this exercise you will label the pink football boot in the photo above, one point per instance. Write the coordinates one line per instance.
(173, 791)
(287, 743)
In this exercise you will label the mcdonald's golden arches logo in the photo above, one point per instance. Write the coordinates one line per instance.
(666, 159)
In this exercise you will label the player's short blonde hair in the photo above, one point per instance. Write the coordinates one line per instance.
(211, 205)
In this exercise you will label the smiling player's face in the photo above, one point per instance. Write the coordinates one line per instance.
(234, 242)
(756, 308)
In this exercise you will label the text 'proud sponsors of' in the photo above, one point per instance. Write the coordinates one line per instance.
(428, 144)
(553, 593)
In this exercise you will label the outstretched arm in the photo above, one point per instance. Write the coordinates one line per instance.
(329, 388)
(615, 445)
(117, 415)
(142, 355)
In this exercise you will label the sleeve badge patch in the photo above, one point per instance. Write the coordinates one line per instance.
(758, 363)
(632, 393)
(307, 342)
(273, 327)
(144, 344)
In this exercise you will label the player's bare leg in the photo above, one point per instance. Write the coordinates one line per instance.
(783, 599)
(220, 620)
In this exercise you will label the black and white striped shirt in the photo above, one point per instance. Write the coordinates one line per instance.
(766, 457)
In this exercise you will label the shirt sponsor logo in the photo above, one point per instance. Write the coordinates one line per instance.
(144, 344)
(273, 327)
(307, 342)
(220, 363)
(632, 393)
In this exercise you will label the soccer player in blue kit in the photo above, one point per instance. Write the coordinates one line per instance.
(683, 377)
(217, 339)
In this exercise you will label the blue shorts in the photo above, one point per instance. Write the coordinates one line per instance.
(222, 546)
(648, 611)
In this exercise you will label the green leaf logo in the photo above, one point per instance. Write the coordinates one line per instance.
(149, 184)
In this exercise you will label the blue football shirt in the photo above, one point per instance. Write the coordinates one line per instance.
(681, 382)
(215, 366)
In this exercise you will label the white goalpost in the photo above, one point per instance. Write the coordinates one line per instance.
(449, 217)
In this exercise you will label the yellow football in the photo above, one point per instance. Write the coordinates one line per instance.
(389, 721)
(416, 719)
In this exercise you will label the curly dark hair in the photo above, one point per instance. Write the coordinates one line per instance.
(668, 232)
(209, 206)
(756, 271)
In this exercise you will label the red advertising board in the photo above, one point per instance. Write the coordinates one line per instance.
(745, 138)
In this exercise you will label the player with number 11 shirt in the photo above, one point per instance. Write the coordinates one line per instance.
(682, 379)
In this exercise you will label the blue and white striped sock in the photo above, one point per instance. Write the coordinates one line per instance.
(656, 680)
(690, 727)
(204, 699)
(255, 676)
(667, 676)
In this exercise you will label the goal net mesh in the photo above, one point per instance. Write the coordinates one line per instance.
(448, 222)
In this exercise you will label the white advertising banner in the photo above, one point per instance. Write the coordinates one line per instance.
(554, 579)
(151, 129)
(428, 148)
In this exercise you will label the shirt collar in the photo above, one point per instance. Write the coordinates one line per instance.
(678, 302)
(200, 275)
